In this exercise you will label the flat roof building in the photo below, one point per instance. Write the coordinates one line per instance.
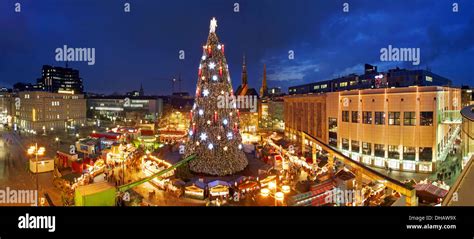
(372, 79)
(41, 111)
(406, 129)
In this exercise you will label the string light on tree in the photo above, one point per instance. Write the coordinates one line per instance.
(203, 136)
(205, 92)
(212, 65)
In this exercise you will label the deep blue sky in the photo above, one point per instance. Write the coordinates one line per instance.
(142, 46)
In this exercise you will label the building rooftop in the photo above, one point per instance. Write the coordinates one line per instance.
(468, 112)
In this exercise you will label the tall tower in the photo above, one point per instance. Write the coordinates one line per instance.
(263, 90)
(142, 92)
(244, 72)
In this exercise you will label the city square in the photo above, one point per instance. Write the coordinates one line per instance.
(371, 134)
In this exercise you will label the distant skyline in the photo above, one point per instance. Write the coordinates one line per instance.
(142, 47)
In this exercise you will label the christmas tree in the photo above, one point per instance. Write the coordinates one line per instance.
(214, 130)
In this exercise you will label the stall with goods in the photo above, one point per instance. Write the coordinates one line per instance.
(195, 190)
(218, 189)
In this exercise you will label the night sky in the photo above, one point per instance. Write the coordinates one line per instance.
(142, 46)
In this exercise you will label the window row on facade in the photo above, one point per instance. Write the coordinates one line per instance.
(387, 151)
(394, 117)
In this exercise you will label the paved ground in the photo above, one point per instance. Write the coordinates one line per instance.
(14, 171)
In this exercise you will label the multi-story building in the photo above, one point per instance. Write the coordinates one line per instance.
(42, 111)
(406, 128)
(125, 107)
(7, 100)
(60, 80)
(271, 115)
(372, 79)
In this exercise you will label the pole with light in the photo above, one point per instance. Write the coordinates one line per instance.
(36, 151)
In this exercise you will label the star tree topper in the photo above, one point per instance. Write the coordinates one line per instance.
(213, 25)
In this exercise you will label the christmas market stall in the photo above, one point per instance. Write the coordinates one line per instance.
(195, 190)
(245, 184)
(64, 160)
(176, 187)
(218, 189)
(266, 180)
(429, 193)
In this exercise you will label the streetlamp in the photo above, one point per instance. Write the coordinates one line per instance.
(57, 143)
(34, 150)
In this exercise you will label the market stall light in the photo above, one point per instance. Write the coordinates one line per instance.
(265, 192)
(285, 188)
(279, 196)
(272, 185)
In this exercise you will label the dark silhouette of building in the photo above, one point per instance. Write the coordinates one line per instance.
(60, 80)
(372, 79)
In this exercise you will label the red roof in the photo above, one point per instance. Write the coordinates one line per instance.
(323, 187)
(147, 132)
(106, 135)
(431, 189)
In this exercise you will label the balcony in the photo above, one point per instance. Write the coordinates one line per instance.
(451, 117)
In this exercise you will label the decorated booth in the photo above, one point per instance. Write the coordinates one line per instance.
(218, 189)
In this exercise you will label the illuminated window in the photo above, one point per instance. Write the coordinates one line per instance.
(409, 153)
(355, 117)
(355, 146)
(426, 154)
(324, 86)
(393, 152)
(379, 150)
(409, 118)
(345, 116)
(426, 118)
(366, 148)
(345, 144)
(380, 118)
(367, 117)
(343, 84)
(394, 118)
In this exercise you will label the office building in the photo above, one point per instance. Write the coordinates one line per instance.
(41, 112)
(406, 128)
(60, 80)
(372, 79)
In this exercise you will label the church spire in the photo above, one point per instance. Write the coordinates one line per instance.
(142, 92)
(263, 90)
(244, 72)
